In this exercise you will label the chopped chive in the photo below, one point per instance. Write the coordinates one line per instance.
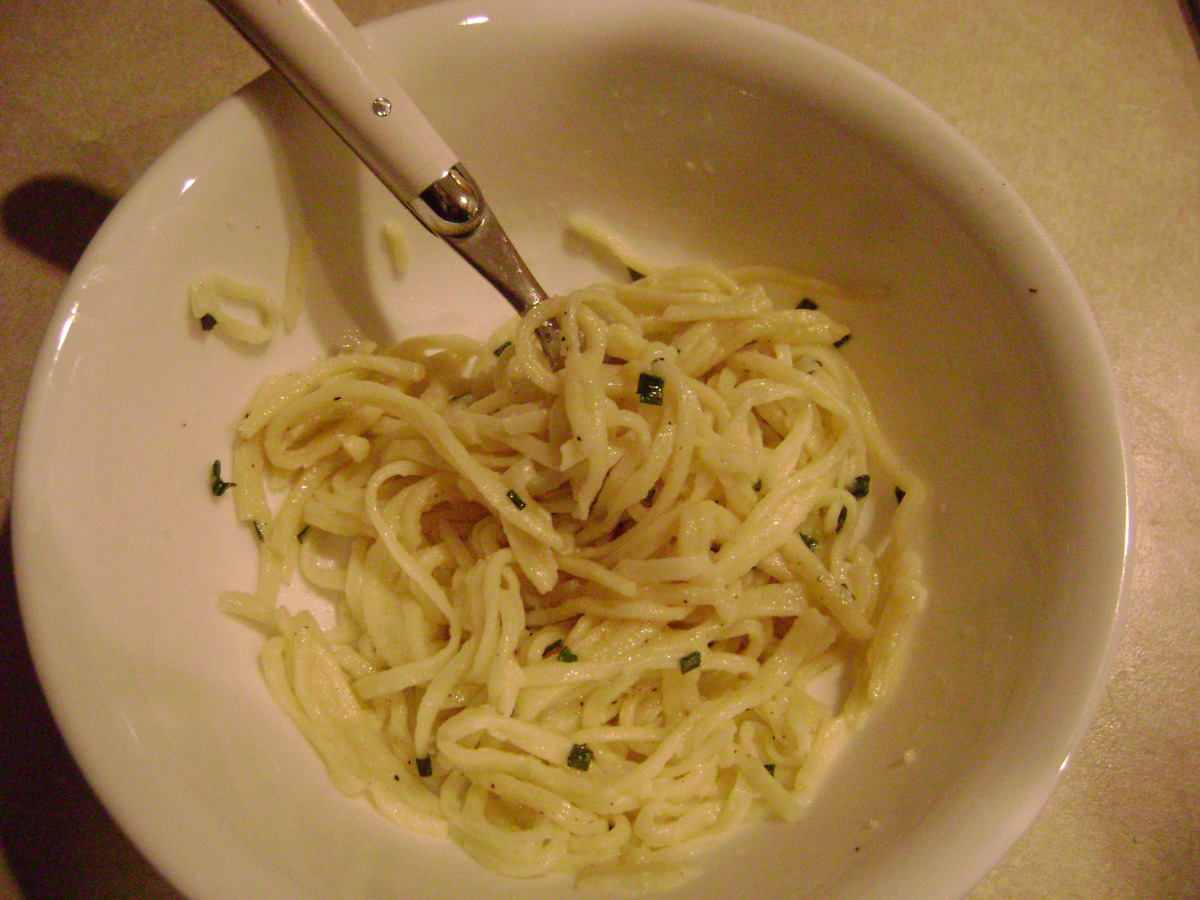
(861, 486)
(841, 341)
(650, 389)
(649, 498)
(689, 662)
(557, 645)
(807, 303)
(219, 485)
(841, 520)
(899, 494)
(516, 499)
(634, 274)
(424, 766)
(502, 348)
(770, 767)
(809, 542)
(208, 321)
(258, 531)
(565, 655)
(580, 757)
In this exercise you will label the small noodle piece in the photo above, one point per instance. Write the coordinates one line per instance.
(295, 288)
(578, 614)
(211, 298)
(395, 245)
(602, 240)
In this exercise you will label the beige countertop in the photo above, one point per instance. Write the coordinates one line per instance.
(1089, 107)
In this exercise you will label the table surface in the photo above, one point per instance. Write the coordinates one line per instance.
(1090, 108)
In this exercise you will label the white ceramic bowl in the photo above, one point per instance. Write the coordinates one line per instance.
(696, 134)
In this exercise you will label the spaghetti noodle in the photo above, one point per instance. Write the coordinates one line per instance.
(578, 615)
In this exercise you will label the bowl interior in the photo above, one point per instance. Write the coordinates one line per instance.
(695, 135)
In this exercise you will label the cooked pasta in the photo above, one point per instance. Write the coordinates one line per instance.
(576, 616)
(211, 299)
(245, 313)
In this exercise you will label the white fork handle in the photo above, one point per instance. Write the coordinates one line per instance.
(322, 55)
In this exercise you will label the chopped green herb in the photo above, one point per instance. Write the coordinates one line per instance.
(565, 655)
(580, 757)
(557, 645)
(516, 499)
(302, 532)
(258, 531)
(650, 389)
(861, 486)
(841, 520)
(689, 662)
(219, 485)
(634, 274)
(649, 498)
(807, 303)
(424, 766)
(809, 542)
(208, 321)
(502, 348)
(899, 494)
(770, 767)
(841, 341)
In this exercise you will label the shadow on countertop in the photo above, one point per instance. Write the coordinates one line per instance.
(55, 217)
(1191, 14)
(59, 841)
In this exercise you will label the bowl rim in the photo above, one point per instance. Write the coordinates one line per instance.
(909, 119)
